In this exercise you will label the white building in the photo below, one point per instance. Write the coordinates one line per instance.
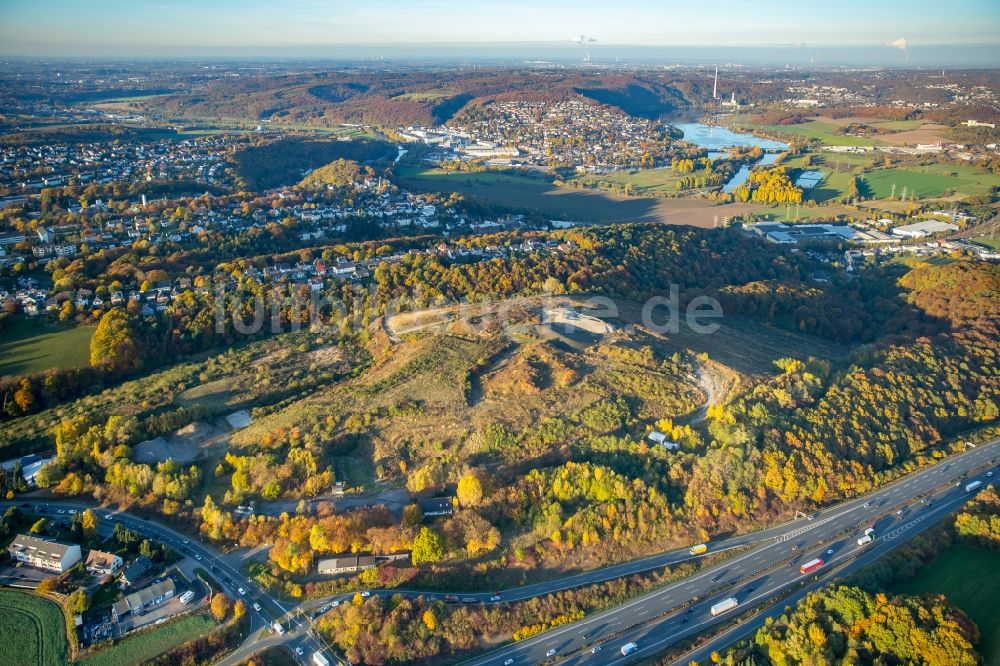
(924, 229)
(100, 563)
(658, 437)
(42, 554)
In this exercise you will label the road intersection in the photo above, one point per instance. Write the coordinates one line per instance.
(764, 568)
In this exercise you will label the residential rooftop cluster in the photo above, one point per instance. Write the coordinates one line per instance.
(568, 133)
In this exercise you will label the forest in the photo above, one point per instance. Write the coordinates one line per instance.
(562, 476)
(286, 161)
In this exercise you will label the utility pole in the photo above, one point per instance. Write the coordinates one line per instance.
(715, 86)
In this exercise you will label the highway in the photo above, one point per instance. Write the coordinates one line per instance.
(658, 619)
(766, 565)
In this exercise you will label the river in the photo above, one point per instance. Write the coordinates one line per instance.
(715, 139)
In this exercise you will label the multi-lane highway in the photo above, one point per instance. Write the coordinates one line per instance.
(766, 565)
(661, 618)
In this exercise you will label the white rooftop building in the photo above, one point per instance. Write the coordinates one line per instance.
(924, 229)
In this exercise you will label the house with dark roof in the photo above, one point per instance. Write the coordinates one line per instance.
(436, 506)
(143, 599)
(345, 564)
(135, 571)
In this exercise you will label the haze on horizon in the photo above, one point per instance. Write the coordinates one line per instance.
(518, 28)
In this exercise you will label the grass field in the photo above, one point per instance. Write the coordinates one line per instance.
(827, 130)
(931, 181)
(648, 182)
(426, 95)
(967, 577)
(140, 647)
(35, 627)
(521, 192)
(815, 129)
(991, 241)
(31, 345)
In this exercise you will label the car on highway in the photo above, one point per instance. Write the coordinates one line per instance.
(197, 557)
(713, 579)
(508, 662)
(334, 603)
(495, 597)
(989, 473)
(241, 591)
(185, 542)
(595, 649)
(366, 594)
(256, 607)
(829, 551)
(299, 651)
(551, 653)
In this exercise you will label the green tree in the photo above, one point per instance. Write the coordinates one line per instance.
(428, 547)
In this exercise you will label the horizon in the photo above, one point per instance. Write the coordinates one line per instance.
(578, 30)
(813, 56)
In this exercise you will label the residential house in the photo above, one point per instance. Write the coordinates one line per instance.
(100, 563)
(43, 554)
(135, 571)
(345, 564)
(144, 599)
(436, 506)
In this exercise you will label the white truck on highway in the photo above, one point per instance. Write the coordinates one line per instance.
(868, 537)
(629, 648)
(724, 605)
(319, 659)
(974, 486)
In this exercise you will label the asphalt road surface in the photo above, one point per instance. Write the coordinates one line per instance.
(656, 620)
(653, 621)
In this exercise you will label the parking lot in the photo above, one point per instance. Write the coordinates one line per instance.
(20, 575)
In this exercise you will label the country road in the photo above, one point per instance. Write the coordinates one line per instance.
(654, 620)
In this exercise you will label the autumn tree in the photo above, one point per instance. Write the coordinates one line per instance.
(220, 606)
(89, 522)
(470, 490)
(114, 346)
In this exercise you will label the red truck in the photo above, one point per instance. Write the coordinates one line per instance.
(811, 566)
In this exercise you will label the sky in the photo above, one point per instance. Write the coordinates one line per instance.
(220, 27)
